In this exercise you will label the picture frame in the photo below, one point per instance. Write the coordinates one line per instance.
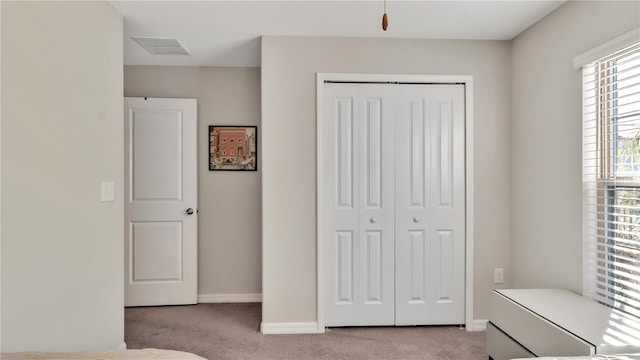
(233, 148)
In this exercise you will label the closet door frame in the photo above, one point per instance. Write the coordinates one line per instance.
(322, 205)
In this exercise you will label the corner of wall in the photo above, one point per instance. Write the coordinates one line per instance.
(546, 171)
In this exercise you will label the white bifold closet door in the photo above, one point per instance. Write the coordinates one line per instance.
(394, 185)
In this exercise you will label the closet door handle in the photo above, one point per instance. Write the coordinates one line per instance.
(416, 220)
(373, 220)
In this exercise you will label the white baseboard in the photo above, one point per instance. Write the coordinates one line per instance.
(122, 346)
(290, 328)
(479, 325)
(229, 298)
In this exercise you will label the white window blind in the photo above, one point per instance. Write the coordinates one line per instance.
(611, 179)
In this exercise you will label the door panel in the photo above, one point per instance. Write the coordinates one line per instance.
(344, 151)
(443, 261)
(417, 267)
(156, 154)
(341, 185)
(161, 184)
(156, 248)
(413, 196)
(373, 153)
(417, 146)
(345, 267)
(373, 267)
(448, 208)
(430, 161)
(445, 153)
(362, 218)
(376, 204)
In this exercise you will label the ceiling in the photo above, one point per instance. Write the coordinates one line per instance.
(227, 33)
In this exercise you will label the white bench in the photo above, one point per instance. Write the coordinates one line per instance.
(526, 323)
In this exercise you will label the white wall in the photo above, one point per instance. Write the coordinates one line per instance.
(289, 66)
(62, 249)
(229, 217)
(546, 138)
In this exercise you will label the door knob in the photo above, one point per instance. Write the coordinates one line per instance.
(189, 211)
(416, 220)
(373, 220)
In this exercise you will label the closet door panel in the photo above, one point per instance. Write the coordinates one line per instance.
(359, 180)
(413, 163)
(341, 242)
(377, 205)
(430, 166)
(447, 207)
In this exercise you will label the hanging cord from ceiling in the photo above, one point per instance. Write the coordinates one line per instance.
(385, 19)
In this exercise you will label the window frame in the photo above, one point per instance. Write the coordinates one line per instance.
(607, 184)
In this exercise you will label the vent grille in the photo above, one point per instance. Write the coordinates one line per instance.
(159, 46)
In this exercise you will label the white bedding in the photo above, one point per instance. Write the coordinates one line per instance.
(143, 354)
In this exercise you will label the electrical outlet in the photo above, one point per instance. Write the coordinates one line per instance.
(498, 276)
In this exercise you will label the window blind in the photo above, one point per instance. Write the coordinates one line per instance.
(611, 179)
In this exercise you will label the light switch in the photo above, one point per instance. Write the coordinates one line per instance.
(108, 191)
(498, 276)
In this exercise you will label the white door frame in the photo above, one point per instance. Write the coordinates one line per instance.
(466, 80)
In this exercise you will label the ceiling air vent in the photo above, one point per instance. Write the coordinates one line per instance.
(158, 46)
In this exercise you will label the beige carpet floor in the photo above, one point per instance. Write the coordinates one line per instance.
(231, 331)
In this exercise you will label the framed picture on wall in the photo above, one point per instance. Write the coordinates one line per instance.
(233, 148)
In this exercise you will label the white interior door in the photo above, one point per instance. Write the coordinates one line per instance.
(392, 204)
(430, 205)
(359, 187)
(160, 201)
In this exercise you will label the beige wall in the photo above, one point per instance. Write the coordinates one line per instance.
(546, 138)
(229, 218)
(62, 249)
(289, 67)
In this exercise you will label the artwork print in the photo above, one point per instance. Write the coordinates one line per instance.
(233, 148)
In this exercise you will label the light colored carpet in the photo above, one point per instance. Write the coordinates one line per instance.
(231, 331)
